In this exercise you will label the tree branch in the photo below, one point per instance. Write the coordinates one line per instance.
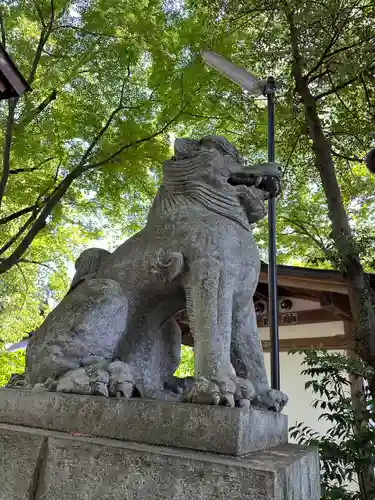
(250, 20)
(32, 169)
(348, 158)
(12, 103)
(26, 286)
(44, 36)
(107, 124)
(40, 13)
(28, 261)
(348, 47)
(59, 192)
(211, 117)
(261, 7)
(367, 96)
(16, 215)
(305, 232)
(2, 28)
(318, 76)
(15, 171)
(18, 234)
(325, 54)
(135, 143)
(336, 89)
(33, 113)
(100, 135)
(83, 30)
(291, 153)
(341, 100)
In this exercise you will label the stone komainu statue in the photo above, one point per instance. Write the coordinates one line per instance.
(115, 333)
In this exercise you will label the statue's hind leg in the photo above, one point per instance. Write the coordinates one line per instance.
(72, 348)
(150, 352)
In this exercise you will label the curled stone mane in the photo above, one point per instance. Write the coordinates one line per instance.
(198, 178)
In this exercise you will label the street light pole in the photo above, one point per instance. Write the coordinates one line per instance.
(272, 269)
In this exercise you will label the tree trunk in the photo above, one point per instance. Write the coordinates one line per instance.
(349, 262)
(365, 474)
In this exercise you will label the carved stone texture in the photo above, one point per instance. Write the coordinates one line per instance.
(114, 333)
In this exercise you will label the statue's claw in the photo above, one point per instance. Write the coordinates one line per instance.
(121, 389)
(228, 399)
(215, 399)
(244, 403)
(245, 393)
(101, 389)
(229, 393)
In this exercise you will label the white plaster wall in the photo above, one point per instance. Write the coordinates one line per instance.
(306, 331)
(299, 407)
(300, 304)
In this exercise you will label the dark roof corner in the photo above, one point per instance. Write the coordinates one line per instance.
(12, 83)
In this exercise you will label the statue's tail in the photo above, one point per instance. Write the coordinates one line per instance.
(168, 264)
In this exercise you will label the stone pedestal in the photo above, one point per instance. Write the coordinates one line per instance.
(52, 454)
(232, 431)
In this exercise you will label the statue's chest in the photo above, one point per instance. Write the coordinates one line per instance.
(213, 234)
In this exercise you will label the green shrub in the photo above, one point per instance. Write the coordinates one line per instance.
(347, 450)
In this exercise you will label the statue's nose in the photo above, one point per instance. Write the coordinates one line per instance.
(233, 166)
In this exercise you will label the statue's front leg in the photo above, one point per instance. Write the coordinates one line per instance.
(247, 354)
(209, 292)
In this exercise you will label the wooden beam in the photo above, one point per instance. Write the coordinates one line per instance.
(296, 293)
(187, 339)
(332, 342)
(337, 304)
(286, 345)
(301, 318)
(307, 283)
(293, 293)
(290, 318)
(313, 316)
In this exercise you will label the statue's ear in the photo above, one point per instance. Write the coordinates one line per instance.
(184, 147)
(222, 145)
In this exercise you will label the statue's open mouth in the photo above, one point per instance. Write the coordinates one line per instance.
(268, 183)
(264, 176)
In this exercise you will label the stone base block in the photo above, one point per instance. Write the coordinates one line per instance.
(231, 431)
(46, 465)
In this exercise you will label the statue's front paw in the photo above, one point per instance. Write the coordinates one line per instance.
(212, 392)
(88, 380)
(121, 380)
(272, 399)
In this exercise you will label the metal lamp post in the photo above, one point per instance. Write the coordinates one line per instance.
(266, 88)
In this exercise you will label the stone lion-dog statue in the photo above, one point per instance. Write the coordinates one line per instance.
(115, 334)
